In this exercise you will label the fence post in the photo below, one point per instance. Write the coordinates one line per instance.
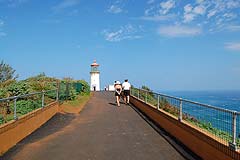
(138, 93)
(57, 95)
(57, 91)
(67, 91)
(42, 99)
(180, 111)
(15, 108)
(158, 106)
(232, 144)
(146, 97)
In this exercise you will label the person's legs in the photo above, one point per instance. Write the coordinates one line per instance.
(118, 100)
(128, 97)
(125, 96)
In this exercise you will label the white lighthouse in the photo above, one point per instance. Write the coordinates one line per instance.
(95, 77)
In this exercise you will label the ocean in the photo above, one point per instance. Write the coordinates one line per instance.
(222, 99)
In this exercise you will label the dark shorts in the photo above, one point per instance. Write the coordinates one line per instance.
(126, 92)
(117, 93)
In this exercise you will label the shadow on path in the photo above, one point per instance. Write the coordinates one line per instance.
(113, 104)
(54, 125)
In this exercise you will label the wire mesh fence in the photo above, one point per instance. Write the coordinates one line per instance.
(220, 123)
(69, 91)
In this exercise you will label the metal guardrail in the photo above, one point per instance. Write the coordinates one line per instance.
(53, 94)
(224, 124)
(25, 95)
(13, 107)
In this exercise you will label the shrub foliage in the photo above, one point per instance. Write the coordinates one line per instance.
(68, 89)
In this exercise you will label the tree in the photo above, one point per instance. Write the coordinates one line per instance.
(6, 73)
(42, 82)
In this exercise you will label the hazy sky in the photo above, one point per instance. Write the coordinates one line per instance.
(166, 45)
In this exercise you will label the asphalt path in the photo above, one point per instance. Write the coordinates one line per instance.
(101, 131)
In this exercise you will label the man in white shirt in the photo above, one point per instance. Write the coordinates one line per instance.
(126, 90)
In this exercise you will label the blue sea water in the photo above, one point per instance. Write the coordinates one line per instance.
(222, 99)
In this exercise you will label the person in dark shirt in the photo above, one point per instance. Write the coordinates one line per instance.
(118, 90)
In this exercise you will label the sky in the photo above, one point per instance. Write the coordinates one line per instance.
(164, 44)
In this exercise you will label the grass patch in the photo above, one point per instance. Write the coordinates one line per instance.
(75, 106)
(78, 101)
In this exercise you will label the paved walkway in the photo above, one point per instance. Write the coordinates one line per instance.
(102, 131)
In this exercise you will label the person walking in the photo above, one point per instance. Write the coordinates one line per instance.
(118, 90)
(126, 90)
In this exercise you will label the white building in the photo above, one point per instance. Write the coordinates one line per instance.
(95, 77)
(110, 88)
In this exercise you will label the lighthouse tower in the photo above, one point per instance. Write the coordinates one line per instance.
(95, 77)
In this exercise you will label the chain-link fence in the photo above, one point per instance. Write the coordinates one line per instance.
(69, 91)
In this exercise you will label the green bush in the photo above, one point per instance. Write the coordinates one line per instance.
(26, 106)
(19, 88)
(51, 95)
(3, 92)
(85, 86)
(72, 94)
(42, 82)
(69, 90)
(1, 119)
